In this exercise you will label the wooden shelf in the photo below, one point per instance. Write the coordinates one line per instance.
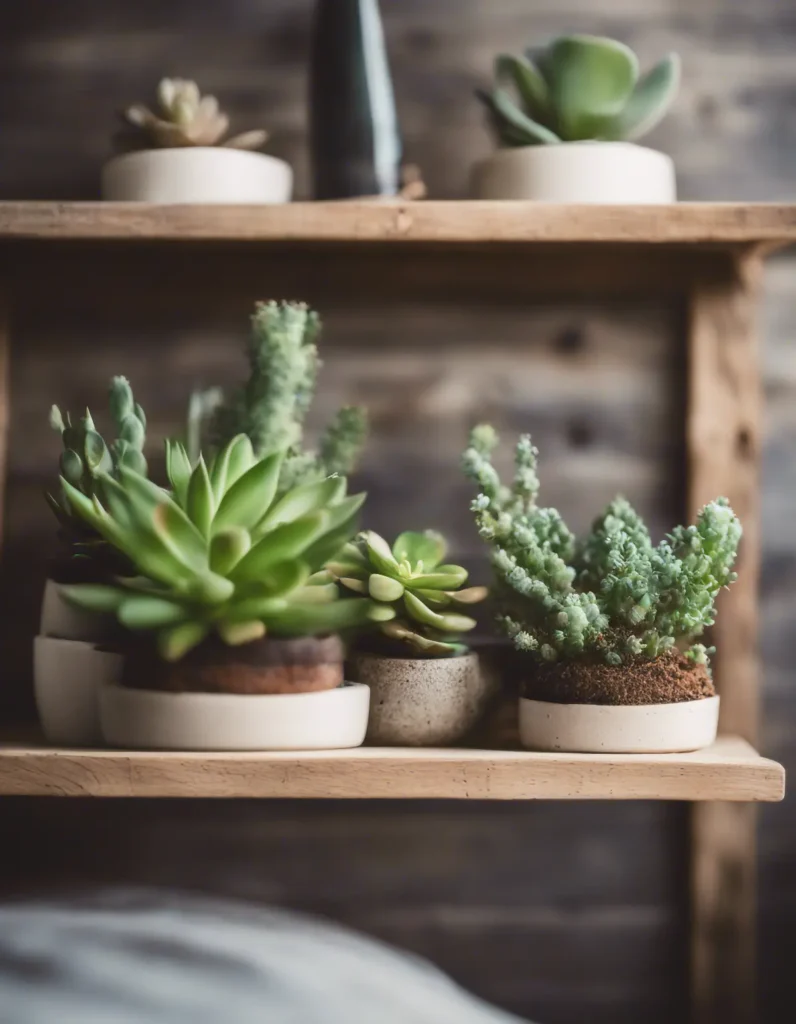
(729, 770)
(701, 224)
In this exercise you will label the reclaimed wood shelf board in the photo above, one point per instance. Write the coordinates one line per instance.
(709, 225)
(729, 770)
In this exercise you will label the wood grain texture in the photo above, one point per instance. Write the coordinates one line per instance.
(729, 770)
(495, 223)
(723, 441)
(5, 397)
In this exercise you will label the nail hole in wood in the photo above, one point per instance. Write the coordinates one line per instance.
(743, 443)
(570, 341)
(579, 434)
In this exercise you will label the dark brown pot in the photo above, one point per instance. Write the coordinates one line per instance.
(271, 665)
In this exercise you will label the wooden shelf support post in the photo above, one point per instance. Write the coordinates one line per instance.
(723, 444)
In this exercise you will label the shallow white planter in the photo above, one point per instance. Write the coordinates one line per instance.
(424, 702)
(197, 174)
(627, 729)
(59, 619)
(577, 172)
(155, 720)
(67, 676)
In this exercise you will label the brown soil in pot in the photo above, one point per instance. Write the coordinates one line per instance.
(271, 665)
(667, 679)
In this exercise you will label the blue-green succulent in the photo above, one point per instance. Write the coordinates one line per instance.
(612, 596)
(577, 88)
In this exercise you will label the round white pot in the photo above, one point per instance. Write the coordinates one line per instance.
(577, 172)
(626, 729)
(196, 174)
(422, 702)
(67, 677)
(62, 620)
(155, 720)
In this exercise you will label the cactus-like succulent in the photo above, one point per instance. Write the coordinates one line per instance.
(273, 404)
(184, 118)
(613, 597)
(86, 459)
(409, 578)
(578, 87)
(222, 551)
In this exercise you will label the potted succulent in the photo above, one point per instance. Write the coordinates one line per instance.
(427, 688)
(74, 652)
(238, 620)
(180, 153)
(608, 625)
(569, 135)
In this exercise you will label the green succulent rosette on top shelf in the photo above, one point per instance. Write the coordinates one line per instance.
(221, 551)
(577, 88)
(410, 579)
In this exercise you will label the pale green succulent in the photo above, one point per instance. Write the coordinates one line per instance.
(222, 552)
(613, 596)
(185, 118)
(274, 402)
(410, 579)
(86, 458)
(576, 88)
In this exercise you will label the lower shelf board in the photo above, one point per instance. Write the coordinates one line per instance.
(730, 769)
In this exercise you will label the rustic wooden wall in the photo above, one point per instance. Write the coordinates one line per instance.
(563, 912)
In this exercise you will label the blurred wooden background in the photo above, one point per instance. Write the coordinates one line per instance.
(561, 912)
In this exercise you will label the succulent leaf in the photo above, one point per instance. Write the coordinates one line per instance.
(142, 611)
(249, 495)
(199, 502)
(236, 633)
(384, 588)
(428, 548)
(649, 101)
(174, 642)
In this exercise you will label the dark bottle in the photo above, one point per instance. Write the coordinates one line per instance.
(356, 142)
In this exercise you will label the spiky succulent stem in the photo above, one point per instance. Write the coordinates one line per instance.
(273, 405)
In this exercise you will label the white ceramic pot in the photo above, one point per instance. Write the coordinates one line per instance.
(422, 702)
(67, 676)
(625, 729)
(577, 172)
(196, 174)
(156, 720)
(62, 620)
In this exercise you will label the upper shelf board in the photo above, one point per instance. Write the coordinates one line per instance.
(728, 770)
(432, 223)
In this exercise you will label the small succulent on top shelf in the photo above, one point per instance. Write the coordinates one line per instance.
(576, 88)
(86, 459)
(222, 553)
(410, 578)
(184, 118)
(611, 599)
(273, 404)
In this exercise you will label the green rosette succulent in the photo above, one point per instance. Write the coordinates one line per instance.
(577, 88)
(86, 459)
(611, 597)
(410, 579)
(222, 551)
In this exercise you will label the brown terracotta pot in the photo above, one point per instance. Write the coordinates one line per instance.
(271, 665)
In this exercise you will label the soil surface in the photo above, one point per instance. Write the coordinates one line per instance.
(667, 679)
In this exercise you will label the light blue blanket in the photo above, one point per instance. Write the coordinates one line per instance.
(157, 958)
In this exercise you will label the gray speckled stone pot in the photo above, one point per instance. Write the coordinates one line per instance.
(422, 702)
